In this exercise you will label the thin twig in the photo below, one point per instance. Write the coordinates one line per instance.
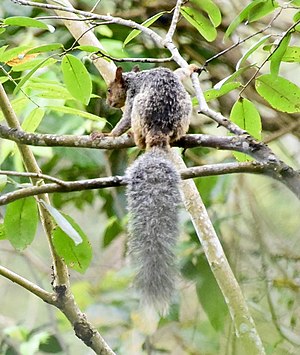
(32, 175)
(134, 60)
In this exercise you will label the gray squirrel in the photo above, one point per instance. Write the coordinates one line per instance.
(158, 110)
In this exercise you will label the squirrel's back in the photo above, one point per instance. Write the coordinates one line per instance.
(161, 107)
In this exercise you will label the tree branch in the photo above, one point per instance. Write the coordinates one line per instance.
(28, 285)
(242, 143)
(113, 181)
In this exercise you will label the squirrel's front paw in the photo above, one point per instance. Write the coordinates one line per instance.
(99, 135)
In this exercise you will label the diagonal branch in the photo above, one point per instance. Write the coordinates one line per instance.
(28, 285)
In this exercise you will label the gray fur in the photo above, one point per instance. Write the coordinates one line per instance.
(153, 199)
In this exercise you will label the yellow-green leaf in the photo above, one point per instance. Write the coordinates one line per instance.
(280, 93)
(146, 23)
(246, 116)
(78, 257)
(32, 121)
(20, 222)
(200, 22)
(76, 78)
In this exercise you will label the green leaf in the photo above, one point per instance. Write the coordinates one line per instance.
(50, 89)
(232, 77)
(278, 53)
(27, 22)
(252, 12)
(113, 228)
(296, 2)
(280, 93)
(292, 55)
(3, 182)
(18, 105)
(213, 94)
(251, 50)
(146, 23)
(211, 9)
(262, 9)
(29, 75)
(78, 257)
(63, 223)
(241, 17)
(31, 345)
(90, 49)
(32, 121)
(51, 345)
(74, 111)
(20, 221)
(200, 22)
(208, 291)
(13, 53)
(46, 48)
(246, 116)
(32, 64)
(76, 78)
(2, 232)
(2, 49)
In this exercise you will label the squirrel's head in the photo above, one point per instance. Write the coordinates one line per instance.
(116, 92)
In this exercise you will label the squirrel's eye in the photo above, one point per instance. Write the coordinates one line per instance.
(108, 90)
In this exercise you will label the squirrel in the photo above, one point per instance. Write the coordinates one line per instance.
(158, 110)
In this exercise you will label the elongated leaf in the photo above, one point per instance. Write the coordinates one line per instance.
(208, 291)
(75, 256)
(46, 48)
(243, 15)
(26, 22)
(281, 94)
(232, 77)
(32, 64)
(2, 50)
(13, 53)
(3, 182)
(246, 116)
(276, 57)
(2, 231)
(29, 75)
(200, 22)
(146, 23)
(20, 221)
(262, 9)
(74, 111)
(90, 49)
(251, 50)
(76, 78)
(32, 121)
(292, 54)
(211, 9)
(63, 223)
(213, 94)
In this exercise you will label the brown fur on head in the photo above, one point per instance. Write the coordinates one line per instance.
(116, 92)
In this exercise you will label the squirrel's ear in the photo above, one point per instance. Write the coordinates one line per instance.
(136, 69)
(119, 73)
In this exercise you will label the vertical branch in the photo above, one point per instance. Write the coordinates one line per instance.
(244, 325)
(77, 29)
(60, 269)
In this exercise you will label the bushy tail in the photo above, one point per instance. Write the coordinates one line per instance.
(153, 199)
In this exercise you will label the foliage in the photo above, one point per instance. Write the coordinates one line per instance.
(252, 59)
